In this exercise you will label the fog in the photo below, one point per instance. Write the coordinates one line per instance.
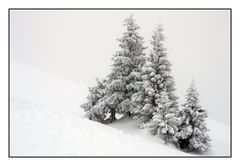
(79, 45)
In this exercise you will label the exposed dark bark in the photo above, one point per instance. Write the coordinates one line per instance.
(113, 112)
(184, 143)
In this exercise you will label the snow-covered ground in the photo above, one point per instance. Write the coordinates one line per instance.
(46, 120)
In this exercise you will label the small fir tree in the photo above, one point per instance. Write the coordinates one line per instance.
(193, 131)
(91, 107)
(165, 120)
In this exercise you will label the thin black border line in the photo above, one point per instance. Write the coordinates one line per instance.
(120, 9)
(231, 83)
(9, 83)
(187, 9)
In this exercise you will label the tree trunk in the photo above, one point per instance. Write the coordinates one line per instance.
(129, 114)
(113, 112)
(183, 143)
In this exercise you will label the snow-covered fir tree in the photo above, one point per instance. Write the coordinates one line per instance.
(122, 81)
(94, 105)
(193, 131)
(127, 64)
(165, 121)
(156, 86)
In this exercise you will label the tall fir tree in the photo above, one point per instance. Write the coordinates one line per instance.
(157, 85)
(127, 64)
(193, 131)
(122, 82)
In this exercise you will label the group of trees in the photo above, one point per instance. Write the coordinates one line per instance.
(143, 88)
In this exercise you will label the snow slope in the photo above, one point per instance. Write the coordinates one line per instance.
(46, 120)
(220, 138)
(219, 133)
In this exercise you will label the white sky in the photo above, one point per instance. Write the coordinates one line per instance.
(79, 45)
